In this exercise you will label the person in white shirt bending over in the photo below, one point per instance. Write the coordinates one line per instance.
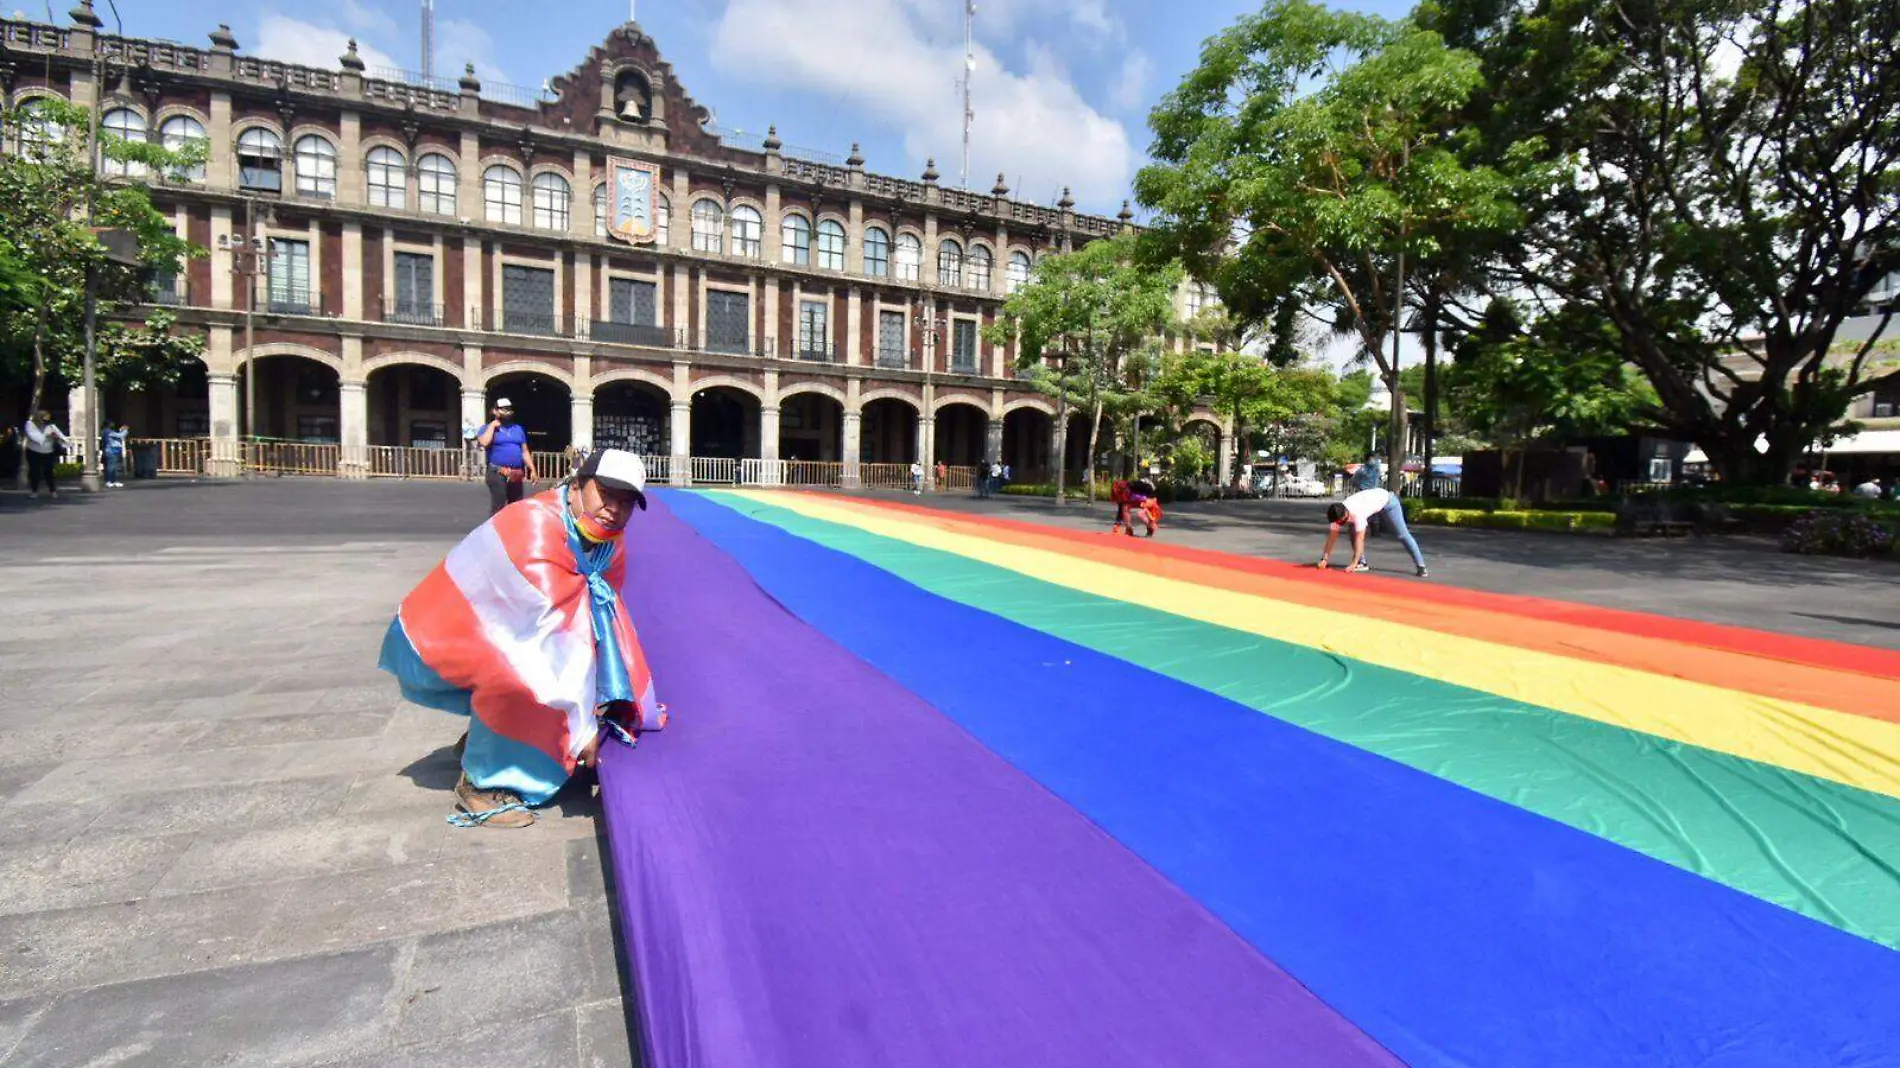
(1356, 511)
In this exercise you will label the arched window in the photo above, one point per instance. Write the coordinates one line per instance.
(38, 132)
(260, 160)
(709, 226)
(877, 252)
(910, 257)
(831, 245)
(388, 178)
(435, 184)
(316, 167)
(600, 209)
(126, 125)
(662, 221)
(949, 263)
(1018, 271)
(748, 232)
(501, 194)
(795, 240)
(551, 199)
(177, 132)
(979, 263)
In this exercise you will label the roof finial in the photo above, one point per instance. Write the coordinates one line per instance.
(469, 83)
(350, 60)
(1067, 201)
(1001, 188)
(221, 39)
(772, 143)
(930, 171)
(84, 15)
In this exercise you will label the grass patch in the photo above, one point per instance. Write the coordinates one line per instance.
(1564, 522)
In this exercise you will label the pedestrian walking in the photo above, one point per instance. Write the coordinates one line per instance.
(510, 463)
(917, 478)
(1356, 512)
(45, 443)
(113, 449)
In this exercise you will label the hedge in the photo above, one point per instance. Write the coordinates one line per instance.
(1563, 522)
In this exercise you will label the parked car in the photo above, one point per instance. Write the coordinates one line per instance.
(1294, 486)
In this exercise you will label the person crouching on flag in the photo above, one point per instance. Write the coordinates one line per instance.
(523, 630)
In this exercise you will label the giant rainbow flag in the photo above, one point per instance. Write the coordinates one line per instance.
(964, 792)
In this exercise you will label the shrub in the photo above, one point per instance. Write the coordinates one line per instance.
(67, 471)
(1834, 532)
(1562, 522)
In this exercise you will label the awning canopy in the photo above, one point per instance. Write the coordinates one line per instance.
(1867, 441)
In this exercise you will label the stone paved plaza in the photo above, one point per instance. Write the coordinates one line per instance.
(223, 839)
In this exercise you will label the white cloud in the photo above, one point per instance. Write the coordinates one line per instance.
(289, 40)
(1031, 123)
(458, 41)
(1006, 17)
(368, 21)
(1131, 86)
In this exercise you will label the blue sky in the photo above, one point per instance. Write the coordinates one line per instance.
(1062, 87)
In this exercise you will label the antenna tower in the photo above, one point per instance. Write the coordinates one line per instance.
(969, 71)
(428, 39)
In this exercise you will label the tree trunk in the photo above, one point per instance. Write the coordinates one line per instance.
(1059, 441)
(39, 388)
(1095, 434)
(1431, 390)
(1395, 446)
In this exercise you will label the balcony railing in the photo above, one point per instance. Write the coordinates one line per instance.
(517, 321)
(963, 366)
(288, 300)
(767, 347)
(644, 334)
(167, 292)
(814, 352)
(409, 313)
(893, 361)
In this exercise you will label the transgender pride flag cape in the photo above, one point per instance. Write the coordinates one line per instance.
(523, 629)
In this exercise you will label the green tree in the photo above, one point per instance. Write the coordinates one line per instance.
(1562, 376)
(1306, 154)
(52, 202)
(1724, 194)
(1094, 312)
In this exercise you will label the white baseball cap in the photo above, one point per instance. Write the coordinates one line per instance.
(504, 402)
(617, 468)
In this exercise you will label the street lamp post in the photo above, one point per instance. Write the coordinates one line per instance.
(1058, 362)
(929, 322)
(249, 259)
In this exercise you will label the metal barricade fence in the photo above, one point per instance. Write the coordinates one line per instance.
(885, 476)
(404, 461)
(291, 458)
(813, 473)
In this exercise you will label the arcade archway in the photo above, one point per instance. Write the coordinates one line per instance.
(414, 406)
(960, 434)
(725, 423)
(635, 416)
(887, 432)
(543, 407)
(811, 427)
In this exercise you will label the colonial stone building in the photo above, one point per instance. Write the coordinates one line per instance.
(415, 248)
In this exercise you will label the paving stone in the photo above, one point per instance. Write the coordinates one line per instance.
(213, 808)
(543, 1042)
(138, 773)
(268, 1015)
(242, 706)
(330, 913)
(48, 822)
(15, 781)
(89, 870)
(328, 846)
(307, 726)
(71, 949)
(16, 1018)
(607, 1036)
(47, 744)
(466, 979)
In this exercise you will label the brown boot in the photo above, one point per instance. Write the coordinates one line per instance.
(488, 808)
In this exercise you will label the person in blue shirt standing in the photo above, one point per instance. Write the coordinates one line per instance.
(114, 453)
(510, 464)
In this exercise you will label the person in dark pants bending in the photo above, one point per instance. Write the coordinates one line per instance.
(510, 464)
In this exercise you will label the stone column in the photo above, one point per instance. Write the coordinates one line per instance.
(768, 444)
(1226, 453)
(993, 442)
(581, 218)
(580, 403)
(353, 427)
(351, 175)
(468, 177)
(353, 271)
(79, 425)
(681, 462)
(853, 447)
(853, 328)
(224, 425)
(221, 164)
(682, 329)
(769, 248)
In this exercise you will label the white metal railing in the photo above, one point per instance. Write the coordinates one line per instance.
(714, 470)
(812, 473)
